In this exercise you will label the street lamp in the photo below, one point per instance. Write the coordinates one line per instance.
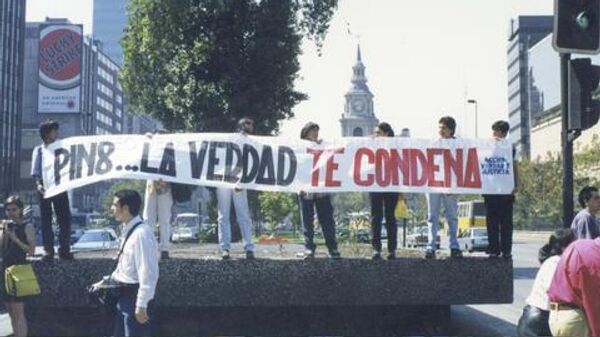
(472, 101)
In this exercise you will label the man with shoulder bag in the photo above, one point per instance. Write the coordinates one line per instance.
(133, 283)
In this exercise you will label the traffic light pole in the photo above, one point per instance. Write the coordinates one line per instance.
(567, 142)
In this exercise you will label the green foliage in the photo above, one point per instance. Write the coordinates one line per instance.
(276, 206)
(539, 199)
(200, 65)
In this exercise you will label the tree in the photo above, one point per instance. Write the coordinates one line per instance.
(276, 207)
(200, 65)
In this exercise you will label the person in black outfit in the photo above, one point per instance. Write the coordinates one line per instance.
(499, 209)
(384, 203)
(18, 239)
(49, 134)
(322, 203)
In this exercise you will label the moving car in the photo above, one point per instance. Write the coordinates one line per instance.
(97, 239)
(473, 239)
(418, 238)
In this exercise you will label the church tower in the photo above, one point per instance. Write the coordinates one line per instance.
(358, 118)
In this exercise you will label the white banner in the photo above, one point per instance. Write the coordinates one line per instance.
(463, 166)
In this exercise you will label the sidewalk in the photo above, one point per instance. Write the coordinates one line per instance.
(532, 235)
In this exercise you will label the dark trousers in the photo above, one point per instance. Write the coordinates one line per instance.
(325, 216)
(384, 203)
(125, 322)
(533, 322)
(499, 220)
(60, 203)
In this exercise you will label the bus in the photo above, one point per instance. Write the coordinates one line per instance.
(471, 214)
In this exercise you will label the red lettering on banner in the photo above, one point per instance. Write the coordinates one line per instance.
(357, 166)
(331, 167)
(472, 176)
(417, 155)
(382, 167)
(399, 163)
(315, 170)
(453, 165)
(433, 168)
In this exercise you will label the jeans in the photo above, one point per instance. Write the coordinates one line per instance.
(434, 203)
(325, 216)
(60, 203)
(499, 219)
(125, 322)
(242, 212)
(157, 208)
(384, 203)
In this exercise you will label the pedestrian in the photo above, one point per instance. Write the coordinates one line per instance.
(574, 300)
(225, 196)
(534, 320)
(499, 208)
(585, 224)
(18, 240)
(384, 203)
(136, 273)
(447, 128)
(49, 132)
(324, 209)
(158, 202)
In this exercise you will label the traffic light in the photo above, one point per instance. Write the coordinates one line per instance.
(583, 81)
(577, 26)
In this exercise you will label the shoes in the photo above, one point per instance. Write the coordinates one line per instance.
(335, 254)
(507, 256)
(250, 255)
(309, 254)
(48, 258)
(391, 256)
(430, 254)
(456, 253)
(164, 255)
(225, 255)
(376, 255)
(66, 256)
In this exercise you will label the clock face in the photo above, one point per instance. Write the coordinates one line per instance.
(358, 105)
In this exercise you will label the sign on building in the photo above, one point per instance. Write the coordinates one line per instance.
(60, 59)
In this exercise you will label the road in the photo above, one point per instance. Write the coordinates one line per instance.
(501, 319)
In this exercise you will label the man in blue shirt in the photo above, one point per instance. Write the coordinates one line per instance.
(585, 224)
(60, 203)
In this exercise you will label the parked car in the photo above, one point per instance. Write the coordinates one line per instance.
(75, 235)
(97, 239)
(185, 233)
(474, 238)
(418, 238)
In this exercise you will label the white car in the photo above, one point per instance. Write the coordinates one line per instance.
(181, 234)
(474, 238)
(97, 239)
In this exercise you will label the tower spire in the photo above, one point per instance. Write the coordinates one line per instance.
(358, 58)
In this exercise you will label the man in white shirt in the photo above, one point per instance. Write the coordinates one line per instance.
(137, 268)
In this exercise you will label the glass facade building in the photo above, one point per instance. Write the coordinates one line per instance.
(524, 32)
(12, 37)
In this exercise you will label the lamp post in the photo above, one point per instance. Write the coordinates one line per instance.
(473, 101)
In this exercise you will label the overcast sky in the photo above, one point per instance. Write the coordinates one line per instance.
(423, 59)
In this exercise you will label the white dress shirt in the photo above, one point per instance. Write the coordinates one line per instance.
(139, 261)
(539, 293)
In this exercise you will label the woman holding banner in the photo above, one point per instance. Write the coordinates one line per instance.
(384, 203)
(322, 203)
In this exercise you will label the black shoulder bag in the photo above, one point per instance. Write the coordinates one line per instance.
(107, 294)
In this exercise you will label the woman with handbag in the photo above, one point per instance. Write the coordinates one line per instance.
(18, 240)
(534, 320)
(383, 205)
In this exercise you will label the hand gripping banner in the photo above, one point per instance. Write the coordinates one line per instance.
(462, 166)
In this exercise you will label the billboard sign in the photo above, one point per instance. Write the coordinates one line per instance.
(60, 64)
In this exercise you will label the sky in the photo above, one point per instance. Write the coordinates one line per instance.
(423, 59)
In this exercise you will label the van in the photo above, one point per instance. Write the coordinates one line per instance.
(471, 214)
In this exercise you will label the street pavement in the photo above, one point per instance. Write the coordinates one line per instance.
(501, 319)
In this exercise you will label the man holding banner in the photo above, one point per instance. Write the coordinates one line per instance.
(60, 202)
(447, 128)
(240, 201)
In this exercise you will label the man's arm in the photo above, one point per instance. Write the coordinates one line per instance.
(146, 263)
(588, 285)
